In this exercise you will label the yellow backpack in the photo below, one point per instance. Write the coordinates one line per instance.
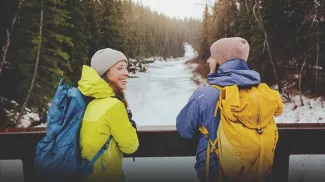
(247, 134)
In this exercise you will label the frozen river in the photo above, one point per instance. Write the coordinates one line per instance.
(156, 97)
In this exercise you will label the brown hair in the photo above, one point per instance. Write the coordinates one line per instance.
(119, 94)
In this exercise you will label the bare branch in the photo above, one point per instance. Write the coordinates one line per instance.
(6, 46)
(290, 14)
(300, 89)
(317, 61)
(254, 13)
(35, 70)
(259, 19)
(247, 8)
(312, 23)
(8, 33)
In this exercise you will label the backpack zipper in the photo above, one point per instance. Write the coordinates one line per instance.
(259, 130)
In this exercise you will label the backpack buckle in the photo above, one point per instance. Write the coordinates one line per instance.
(259, 131)
(106, 145)
(206, 136)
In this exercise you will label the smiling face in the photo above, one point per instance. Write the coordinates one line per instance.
(118, 74)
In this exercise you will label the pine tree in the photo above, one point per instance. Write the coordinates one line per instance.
(80, 37)
(205, 30)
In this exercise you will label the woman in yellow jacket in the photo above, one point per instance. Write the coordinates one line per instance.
(106, 115)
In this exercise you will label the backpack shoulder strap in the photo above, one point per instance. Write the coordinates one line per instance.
(217, 103)
(211, 146)
(100, 152)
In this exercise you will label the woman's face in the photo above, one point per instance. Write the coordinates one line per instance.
(212, 64)
(118, 74)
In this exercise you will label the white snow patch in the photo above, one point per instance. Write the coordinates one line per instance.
(28, 118)
(313, 111)
(42, 125)
(14, 102)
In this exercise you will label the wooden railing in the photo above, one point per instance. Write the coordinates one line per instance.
(164, 141)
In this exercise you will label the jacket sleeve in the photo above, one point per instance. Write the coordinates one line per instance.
(188, 119)
(121, 129)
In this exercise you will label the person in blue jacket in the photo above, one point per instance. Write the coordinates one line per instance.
(227, 67)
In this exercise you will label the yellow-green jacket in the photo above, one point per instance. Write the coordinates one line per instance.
(104, 116)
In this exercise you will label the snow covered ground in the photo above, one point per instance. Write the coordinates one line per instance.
(313, 110)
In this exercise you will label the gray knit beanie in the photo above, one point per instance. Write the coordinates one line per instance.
(104, 59)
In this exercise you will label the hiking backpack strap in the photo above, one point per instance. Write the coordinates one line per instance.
(211, 144)
(210, 148)
(217, 103)
(100, 152)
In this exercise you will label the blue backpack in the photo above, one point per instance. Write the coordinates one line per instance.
(58, 156)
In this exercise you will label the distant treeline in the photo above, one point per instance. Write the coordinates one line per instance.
(63, 35)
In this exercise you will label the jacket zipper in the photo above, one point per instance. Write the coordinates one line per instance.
(259, 130)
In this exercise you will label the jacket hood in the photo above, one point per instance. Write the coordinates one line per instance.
(91, 84)
(234, 72)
